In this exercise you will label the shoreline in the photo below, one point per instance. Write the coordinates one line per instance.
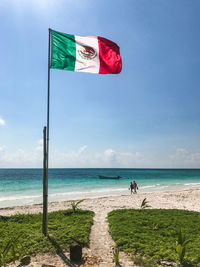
(24, 187)
(11, 201)
(181, 199)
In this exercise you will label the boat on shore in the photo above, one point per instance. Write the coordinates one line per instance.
(109, 177)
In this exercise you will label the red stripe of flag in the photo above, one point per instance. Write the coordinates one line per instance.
(109, 55)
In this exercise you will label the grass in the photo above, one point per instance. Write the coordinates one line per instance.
(152, 234)
(63, 227)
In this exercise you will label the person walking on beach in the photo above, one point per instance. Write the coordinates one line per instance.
(131, 187)
(135, 187)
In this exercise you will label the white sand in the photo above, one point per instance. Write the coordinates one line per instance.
(100, 252)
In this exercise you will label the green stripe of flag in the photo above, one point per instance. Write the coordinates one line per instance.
(63, 51)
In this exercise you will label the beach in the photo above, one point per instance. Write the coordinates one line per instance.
(24, 186)
(100, 252)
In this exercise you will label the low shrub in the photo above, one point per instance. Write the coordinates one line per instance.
(152, 233)
(61, 228)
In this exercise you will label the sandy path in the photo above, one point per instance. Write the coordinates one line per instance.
(101, 243)
(100, 253)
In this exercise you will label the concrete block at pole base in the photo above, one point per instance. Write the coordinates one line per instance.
(75, 252)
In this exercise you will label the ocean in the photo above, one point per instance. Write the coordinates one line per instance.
(25, 186)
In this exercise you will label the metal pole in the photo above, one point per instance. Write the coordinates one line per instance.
(48, 100)
(45, 186)
(46, 150)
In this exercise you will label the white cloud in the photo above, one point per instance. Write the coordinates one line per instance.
(110, 154)
(184, 158)
(39, 147)
(2, 148)
(40, 142)
(84, 158)
(113, 159)
(2, 122)
(109, 158)
(20, 159)
(82, 150)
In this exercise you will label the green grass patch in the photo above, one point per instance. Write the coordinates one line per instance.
(63, 228)
(153, 233)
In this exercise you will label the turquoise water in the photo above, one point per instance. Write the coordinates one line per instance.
(24, 186)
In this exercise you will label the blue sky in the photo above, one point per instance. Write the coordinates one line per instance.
(147, 116)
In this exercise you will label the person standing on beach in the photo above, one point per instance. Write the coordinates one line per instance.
(135, 187)
(131, 187)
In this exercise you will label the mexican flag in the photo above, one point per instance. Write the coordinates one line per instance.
(92, 54)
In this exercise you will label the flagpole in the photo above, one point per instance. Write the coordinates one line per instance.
(48, 100)
(44, 219)
(46, 150)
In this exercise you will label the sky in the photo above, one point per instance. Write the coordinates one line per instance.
(148, 116)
